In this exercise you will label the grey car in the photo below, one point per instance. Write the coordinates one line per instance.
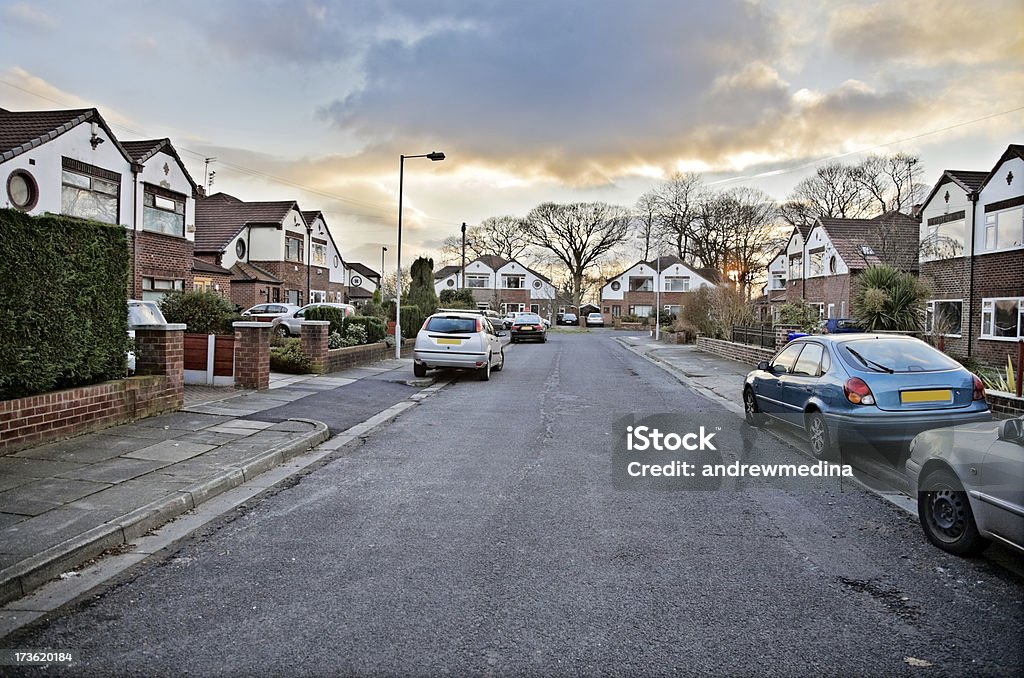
(290, 325)
(462, 340)
(969, 483)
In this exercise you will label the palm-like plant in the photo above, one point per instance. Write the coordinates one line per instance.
(886, 298)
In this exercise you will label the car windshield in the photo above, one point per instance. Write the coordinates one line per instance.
(894, 355)
(451, 324)
(527, 318)
(145, 313)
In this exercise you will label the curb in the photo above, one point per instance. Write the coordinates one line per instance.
(24, 576)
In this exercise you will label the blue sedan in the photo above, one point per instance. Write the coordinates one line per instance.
(849, 390)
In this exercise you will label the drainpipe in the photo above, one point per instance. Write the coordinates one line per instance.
(135, 233)
(970, 273)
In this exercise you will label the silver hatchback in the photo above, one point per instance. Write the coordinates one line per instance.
(465, 341)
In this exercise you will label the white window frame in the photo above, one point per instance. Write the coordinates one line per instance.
(994, 236)
(635, 308)
(299, 243)
(481, 280)
(988, 308)
(646, 286)
(778, 280)
(831, 311)
(318, 257)
(671, 280)
(796, 267)
(929, 316)
(508, 280)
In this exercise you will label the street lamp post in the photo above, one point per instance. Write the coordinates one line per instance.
(380, 283)
(462, 276)
(434, 156)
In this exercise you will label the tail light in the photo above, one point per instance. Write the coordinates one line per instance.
(425, 324)
(857, 392)
(979, 388)
(479, 324)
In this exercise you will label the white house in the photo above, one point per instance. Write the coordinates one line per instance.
(635, 290)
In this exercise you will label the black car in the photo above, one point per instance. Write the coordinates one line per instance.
(528, 327)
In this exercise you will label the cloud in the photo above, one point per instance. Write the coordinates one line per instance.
(29, 16)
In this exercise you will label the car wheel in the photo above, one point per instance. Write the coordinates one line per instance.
(544, 339)
(281, 331)
(946, 516)
(485, 371)
(818, 436)
(750, 408)
(419, 369)
(501, 364)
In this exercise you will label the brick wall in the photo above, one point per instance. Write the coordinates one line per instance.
(750, 355)
(314, 335)
(949, 279)
(158, 256)
(159, 387)
(292, 279)
(252, 355)
(995, 275)
(1004, 405)
(354, 356)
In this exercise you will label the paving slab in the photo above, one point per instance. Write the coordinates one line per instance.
(35, 468)
(186, 421)
(128, 495)
(115, 470)
(170, 450)
(45, 531)
(52, 490)
(8, 519)
(85, 449)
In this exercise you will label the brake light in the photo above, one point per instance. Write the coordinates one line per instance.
(479, 324)
(858, 392)
(979, 388)
(425, 324)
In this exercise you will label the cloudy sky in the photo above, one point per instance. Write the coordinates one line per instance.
(557, 100)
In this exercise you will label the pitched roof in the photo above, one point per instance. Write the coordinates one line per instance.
(359, 293)
(21, 131)
(969, 181)
(1012, 151)
(244, 272)
(141, 151)
(890, 238)
(446, 271)
(492, 260)
(220, 217)
(201, 266)
(365, 270)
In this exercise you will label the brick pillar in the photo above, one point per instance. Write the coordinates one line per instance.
(781, 334)
(252, 355)
(314, 343)
(160, 349)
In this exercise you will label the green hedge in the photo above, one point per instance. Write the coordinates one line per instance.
(375, 327)
(412, 320)
(63, 303)
(204, 312)
(335, 316)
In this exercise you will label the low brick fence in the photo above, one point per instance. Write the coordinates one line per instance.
(1004, 405)
(158, 387)
(324, 360)
(750, 355)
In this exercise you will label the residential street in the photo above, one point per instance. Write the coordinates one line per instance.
(480, 533)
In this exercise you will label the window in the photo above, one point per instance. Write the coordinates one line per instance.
(778, 281)
(677, 284)
(641, 284)
(513, 282)
(821, 309)
(202, 284)
(796, 268)
(155, 289)
(833, 264)
(616, 286)
(534, 308)
(317, 296)
(831, 311)
(1004, 229)
(942, 237)
(22, 191)
(537, 284)
(476, 280)
(89, 197)
(450, 282)
(319, 254)
(512, 308)
(640, 311)
(293, 297)
(810, 359)
(1002, 318)
(786, 358)
(944, 316)
(616, 311)
(816, 263)
(163, 212)
(672, 310)
(293, 248)
(240, 248)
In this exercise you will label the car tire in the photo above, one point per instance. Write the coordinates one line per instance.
(485, 372)
(946, 516)
(822, 447)
(544, 339)
(282, 331)
(750, 409)
(419, 369)
(501, 365)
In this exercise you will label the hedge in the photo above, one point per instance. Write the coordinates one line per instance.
(375, 327)
(63, 303)
(204, 312)
(335, 316)
(412, 319)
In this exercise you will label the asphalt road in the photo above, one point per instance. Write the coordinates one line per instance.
(481, 533)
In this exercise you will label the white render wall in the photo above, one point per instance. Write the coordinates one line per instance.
(173, 179)
(819, 238)
(996, 190)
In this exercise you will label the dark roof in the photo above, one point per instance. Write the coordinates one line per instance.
(365, 270)
(710, 275)
(142, 151)
(201, 266)
(969, 181)
(221, 217)
(492, 260)
(446, 271)
(244, 272)
(21, 131)
(891, 237)
(661, 263)
(359, 293)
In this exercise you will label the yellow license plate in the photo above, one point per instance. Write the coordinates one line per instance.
(453, 342)
(937, 396)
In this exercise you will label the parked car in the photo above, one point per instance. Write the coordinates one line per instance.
(460, 340)
(595, 320)
(140, 314)
(290, 325)
(569, 319)
(854, 389)
(267, 312)
(969, 483)
(841, 326)
(528, 327)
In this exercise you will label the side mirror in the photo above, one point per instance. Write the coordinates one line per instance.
(1012, 430)
(763, 365)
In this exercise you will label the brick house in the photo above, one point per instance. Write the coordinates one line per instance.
(69, 162)
(326, 254)
(501, 285)
(272, 238)
(363, 281)
(824, 260)
(635, 290)
(972, 256)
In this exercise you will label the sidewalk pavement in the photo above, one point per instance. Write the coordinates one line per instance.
(66, 502)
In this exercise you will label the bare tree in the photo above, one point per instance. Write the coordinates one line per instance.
(886, 183)
(679, 207)
(754, 236)
(646, 219)
(578, 235)
(831, 191)
(501, 236)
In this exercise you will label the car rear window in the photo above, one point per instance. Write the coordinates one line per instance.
(451, 325)
(895, 355)
(527, 318)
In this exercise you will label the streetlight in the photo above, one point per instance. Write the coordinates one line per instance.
(657, 289)
(433, 156)
(380, 283)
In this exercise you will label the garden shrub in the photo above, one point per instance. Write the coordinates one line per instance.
(289, 358)
(374, 327)
(204, 312)
(335, 316)
(63, 303)
(412, 320)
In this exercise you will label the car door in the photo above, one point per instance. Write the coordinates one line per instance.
(1001, 490)
(767, 387)
(799, 384)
